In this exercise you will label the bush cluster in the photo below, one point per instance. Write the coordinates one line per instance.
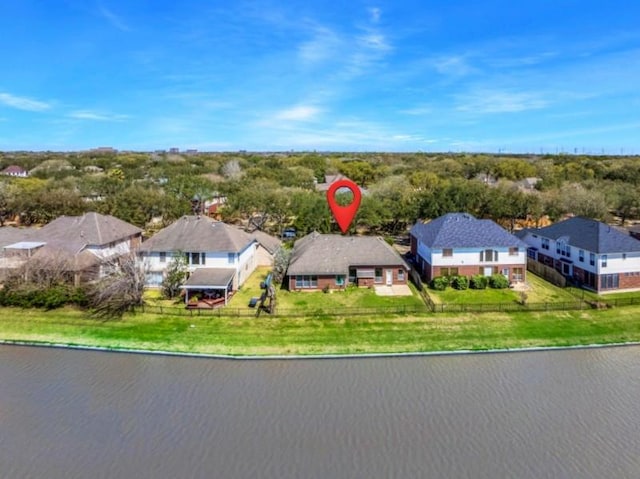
(498, 281)
(478, 281)
(48, 298)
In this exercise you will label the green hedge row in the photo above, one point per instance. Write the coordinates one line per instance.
(50, 298)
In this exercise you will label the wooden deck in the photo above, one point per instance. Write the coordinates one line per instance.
(209, 303)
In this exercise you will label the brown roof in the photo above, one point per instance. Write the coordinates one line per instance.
(333, 254)
(14, 170)
(198, 233)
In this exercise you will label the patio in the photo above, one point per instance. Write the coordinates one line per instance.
(208, 288)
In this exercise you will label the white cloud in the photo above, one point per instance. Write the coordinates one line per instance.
(323, 46)
(298, 113)
(375, 13)
(96, 116)
(488, 101)
(23, 103)
(457, 66)
(113, 19)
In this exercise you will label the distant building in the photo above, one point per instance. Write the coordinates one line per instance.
(174, 150)
(15, 170)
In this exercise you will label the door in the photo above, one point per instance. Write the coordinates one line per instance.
(389, 277)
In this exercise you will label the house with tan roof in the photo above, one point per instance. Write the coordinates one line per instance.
(330, 261)
(218, 256)
(82, 246)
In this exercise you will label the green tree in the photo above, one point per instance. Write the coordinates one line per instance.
(176, 275)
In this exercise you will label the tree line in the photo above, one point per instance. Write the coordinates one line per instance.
(274, 191)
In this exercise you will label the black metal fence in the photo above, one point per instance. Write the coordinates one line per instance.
(227, 312)
(509, 307)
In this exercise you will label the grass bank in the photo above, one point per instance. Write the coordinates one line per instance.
(339, 335)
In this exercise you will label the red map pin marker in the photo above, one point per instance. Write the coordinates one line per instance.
(344, 214)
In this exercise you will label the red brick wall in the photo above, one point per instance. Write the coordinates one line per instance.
(414, 245)
(628, 282)
(362, 282)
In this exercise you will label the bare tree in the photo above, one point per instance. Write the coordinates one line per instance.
(119, 291)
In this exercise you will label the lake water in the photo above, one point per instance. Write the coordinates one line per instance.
(559, 414)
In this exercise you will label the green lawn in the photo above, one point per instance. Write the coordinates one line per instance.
(540, 291)
(317, 300)
(337, 335)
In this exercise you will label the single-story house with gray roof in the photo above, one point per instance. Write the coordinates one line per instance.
(458, 244)
(593, 254)
(320, 261)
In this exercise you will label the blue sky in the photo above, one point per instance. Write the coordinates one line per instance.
(399, 75)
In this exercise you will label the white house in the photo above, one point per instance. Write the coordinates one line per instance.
(593, 254)
(207, 245)
(458, 244)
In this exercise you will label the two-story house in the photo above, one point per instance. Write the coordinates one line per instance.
(593, 254)
(458, 244)
(218, 251)
(82, 246)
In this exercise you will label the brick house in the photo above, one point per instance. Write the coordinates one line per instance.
(593, 254)
(321, 261)
(458, 244)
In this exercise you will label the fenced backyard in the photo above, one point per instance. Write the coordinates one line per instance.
(540, 295)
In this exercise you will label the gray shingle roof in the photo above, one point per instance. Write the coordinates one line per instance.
(462, 230)
(85, 230)
(333, 254)
(268, 242)
(210, 277)
(590, 235)
(200, 234)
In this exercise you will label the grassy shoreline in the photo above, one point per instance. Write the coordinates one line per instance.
(266, 336)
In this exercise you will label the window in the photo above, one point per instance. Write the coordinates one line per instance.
(447, 252)
(444, 271)
(518, 274)
(195, 258)
(352, 275)
(609, 281)
(231, 258)
(378, 275)
(340, 280)
(545, 243)
(563, 249)
(532, 253)
(401, 274)
(488, 255)
(624, 255)
(514, 251)
(306, 281)
(592, 259)
(604, 260)
(453, 271)
(203, 258)
(163, 257)
(581, 255)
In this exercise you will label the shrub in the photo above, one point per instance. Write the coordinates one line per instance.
(498, 281)
(460, 282)
(479, 281)
(440, 283)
